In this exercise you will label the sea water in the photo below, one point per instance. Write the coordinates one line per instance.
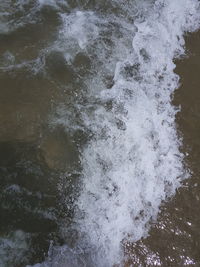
(114, 63)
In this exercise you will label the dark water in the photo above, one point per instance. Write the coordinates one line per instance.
(43, 135)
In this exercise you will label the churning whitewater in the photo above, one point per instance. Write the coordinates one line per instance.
(131, 161)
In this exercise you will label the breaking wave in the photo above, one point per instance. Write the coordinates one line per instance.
(122, 56)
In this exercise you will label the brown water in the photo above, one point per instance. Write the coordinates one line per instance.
(175, 238)
(37, 156)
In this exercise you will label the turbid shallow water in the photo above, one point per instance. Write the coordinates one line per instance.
(97, 166)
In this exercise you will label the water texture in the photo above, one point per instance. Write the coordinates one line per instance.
(90, 147)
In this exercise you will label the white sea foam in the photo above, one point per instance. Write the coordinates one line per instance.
(81, 27)
(132, 162)
(19, 13)
(16, 14)
(18, 242)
